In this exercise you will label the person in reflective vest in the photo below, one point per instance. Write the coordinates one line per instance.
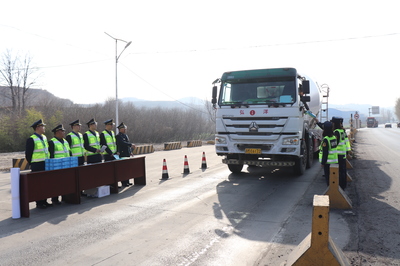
(58, 148)
(328, 149)
(91, 142)
(342, 148)
(75, 141)
(107, 138)
(36, 153)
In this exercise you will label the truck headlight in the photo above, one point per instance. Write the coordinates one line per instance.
(291, 141)
(220, 140)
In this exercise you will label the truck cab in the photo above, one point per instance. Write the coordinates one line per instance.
(262, 118)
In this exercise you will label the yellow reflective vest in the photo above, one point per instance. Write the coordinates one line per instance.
(110, 141)
(60, 150)
(77, 148)
(94, 141)
(341, 147)
(40, 149)
(332, 150)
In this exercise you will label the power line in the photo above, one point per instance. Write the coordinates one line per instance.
(270, 45)
(75, 64)
(154, 87)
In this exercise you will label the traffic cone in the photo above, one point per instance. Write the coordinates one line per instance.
(186, 166)
(203, 161)
(164, 170)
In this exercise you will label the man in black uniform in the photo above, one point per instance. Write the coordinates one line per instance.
(58, 148)
(107, 138)
(91, 140)
(36, 152)
(124, 146)
(75, 141)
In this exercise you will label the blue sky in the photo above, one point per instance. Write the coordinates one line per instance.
(179, 47)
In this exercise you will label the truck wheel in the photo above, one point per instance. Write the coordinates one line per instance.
(235, 168)
(301, 163)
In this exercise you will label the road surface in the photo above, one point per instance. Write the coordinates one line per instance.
(211, 217)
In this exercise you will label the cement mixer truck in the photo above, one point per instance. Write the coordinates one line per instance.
(264, 117)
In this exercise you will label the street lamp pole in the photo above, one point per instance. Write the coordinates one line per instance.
(116, 74)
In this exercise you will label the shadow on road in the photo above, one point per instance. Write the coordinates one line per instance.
(59, 213)
(258, 201)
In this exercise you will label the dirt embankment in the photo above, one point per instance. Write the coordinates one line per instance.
(7, 158)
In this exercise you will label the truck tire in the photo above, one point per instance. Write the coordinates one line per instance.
(235, 168)
(301, 162)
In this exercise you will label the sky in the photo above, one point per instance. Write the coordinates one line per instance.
(180, 47)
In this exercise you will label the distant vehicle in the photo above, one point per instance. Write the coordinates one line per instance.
(372, 122)
(398, 124)
(389, 125)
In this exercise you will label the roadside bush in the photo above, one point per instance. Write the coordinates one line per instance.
(145, 125)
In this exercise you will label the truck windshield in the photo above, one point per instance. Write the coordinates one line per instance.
(266, 92)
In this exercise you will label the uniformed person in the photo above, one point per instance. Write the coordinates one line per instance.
(124, 146)
(91, 142)
(58, 148)
(107, 138)
(328, 149)
(342, 148)
(75, 141)
(36, 152)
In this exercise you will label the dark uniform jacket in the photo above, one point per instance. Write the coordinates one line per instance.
(124, 146)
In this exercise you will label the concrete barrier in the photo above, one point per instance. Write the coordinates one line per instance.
(143, 149)
(172, 146)
(338, 198)
(194, 143)
(22, 164)
(348, 164)
(318, 248)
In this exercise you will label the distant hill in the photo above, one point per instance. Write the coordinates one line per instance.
(363, 109)
(35, 97)
(187, 102)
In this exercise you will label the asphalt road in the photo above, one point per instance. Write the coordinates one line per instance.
(375, 231)
(208, 217)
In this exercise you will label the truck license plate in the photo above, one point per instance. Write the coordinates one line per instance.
(252, 151)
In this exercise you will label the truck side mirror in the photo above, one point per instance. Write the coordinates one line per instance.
(306, 86)
(214, 95)
(305, 98)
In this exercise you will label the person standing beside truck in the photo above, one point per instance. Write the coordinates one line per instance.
(328, 149)
(342, 148)
(124, 146)
(91, 142)
(36, 153)
(75, 141)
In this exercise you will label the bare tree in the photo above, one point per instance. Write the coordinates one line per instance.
(211, 111)
(18, 75)
(397, 108)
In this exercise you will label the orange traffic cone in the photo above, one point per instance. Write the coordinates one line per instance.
(203, 161)
(164, 170)
(186, 166)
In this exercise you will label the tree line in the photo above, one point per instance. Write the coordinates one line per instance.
(145, 125)
(20, 106)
